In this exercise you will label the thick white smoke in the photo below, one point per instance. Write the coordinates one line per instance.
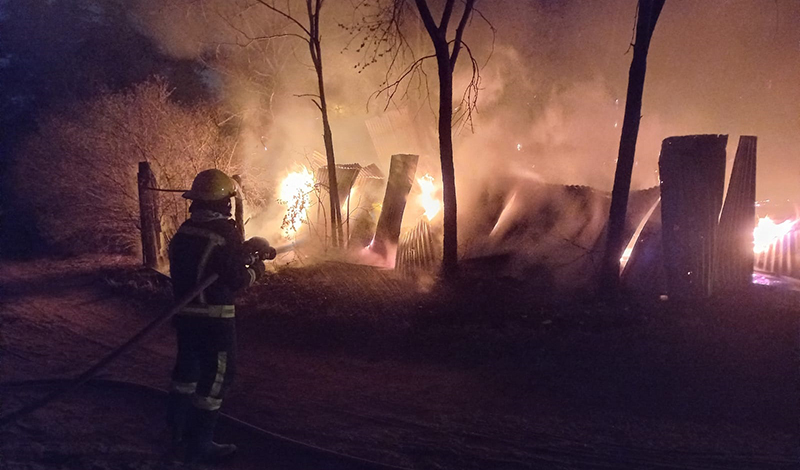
(552, 95)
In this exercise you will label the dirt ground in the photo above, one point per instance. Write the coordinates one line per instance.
(478, 375)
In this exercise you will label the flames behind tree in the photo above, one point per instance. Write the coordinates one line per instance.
(427, 198)
(295, 194)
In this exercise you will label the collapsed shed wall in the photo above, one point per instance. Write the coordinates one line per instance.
(733, 266)
(692, 170)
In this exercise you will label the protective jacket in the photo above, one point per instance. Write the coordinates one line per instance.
(200, 249)
(206, 361)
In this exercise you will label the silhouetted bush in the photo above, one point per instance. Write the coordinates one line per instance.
(78, 172)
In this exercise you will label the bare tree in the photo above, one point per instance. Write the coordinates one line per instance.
(306, 27)
(647, 16)
(383, 28)
(252, 67)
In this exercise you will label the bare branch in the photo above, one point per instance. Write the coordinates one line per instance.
(391, 88)
(252, 39)
(286, 15)
(469, 100)
(460, 32)
(427, 91)
(492, 29)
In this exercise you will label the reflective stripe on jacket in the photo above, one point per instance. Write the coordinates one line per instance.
(200, 249)
(209, 311)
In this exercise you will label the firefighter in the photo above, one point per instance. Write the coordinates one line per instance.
(209, 242)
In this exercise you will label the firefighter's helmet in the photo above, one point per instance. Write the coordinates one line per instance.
(211, 185)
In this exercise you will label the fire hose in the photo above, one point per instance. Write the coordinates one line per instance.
(99, 365)
(352, 462)
(258, 248)
(578, 455)
(70, 385)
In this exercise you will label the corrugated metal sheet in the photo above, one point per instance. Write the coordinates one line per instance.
(734, 256)
(360, 189)
(419, 248)
(370, 171)
(692, 170)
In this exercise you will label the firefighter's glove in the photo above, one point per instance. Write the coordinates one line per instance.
(258, 267)
(259, 248)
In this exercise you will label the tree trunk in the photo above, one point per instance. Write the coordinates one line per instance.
(649, 11)
(445, 64)
(336, 212)
(450, 234)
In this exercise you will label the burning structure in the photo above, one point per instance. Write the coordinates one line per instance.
(683, 240)
(522, 225)
(694, 245)
(515, 225)
(304, 194)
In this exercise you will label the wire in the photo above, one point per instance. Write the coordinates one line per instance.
(636, 456)
(72, 384)
(168, 190)
(226, 417)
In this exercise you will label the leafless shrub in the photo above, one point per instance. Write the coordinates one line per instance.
(78, 172)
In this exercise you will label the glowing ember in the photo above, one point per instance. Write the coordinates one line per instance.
(767, 232)
(431, 205)
(295, 194)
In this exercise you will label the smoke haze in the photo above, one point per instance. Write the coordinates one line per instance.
(553, 92)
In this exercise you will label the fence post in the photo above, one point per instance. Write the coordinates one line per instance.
(148, 216)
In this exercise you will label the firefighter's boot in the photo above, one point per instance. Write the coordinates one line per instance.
(201, 446)
(178, 405)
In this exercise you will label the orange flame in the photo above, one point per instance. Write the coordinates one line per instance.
(767, 232)
(427, 200)
(295, 194)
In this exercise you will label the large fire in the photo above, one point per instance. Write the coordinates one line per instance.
(295, 194)
(767, 232)
(427, 199)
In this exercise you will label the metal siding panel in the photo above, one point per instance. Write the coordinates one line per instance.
(692, 170)
(734, 253)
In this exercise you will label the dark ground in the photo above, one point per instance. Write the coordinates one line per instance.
(476, 376)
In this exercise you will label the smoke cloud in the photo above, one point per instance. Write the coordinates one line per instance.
(552, 93)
